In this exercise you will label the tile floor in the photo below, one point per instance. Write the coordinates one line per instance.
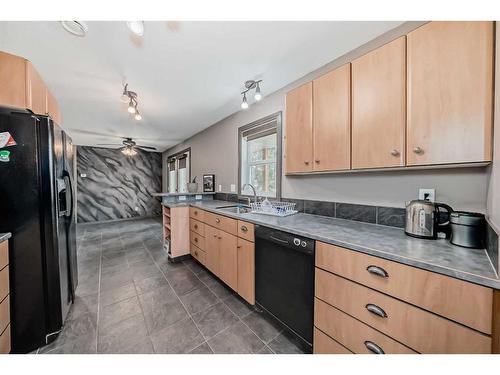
(130, 299)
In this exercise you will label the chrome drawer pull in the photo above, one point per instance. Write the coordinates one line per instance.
(374, 348)
(217, 220)
(196, 240)
(244, 228)
(377, 271)
(374, 309)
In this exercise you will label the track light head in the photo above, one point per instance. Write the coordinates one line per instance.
(131, 107)
(244, 103)
(257, 95)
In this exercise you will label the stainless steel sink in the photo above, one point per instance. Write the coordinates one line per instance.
(235, 209)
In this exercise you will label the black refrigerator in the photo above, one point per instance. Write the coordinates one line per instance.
(37, 205)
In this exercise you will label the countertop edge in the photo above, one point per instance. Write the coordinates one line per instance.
(457, 274)
(5, 236)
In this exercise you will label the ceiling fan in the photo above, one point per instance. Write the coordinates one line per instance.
(129, 146)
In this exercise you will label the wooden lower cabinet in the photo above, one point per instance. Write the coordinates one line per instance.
(246, 270)
(5, 341)
(324, 344)
(4, 299)
(198, 254)
(228, 259)
(353, 334)
(212, 249)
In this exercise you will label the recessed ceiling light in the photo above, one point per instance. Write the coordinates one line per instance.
(137, 27)
(78, 28)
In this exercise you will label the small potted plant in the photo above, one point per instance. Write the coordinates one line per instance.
(193, 186)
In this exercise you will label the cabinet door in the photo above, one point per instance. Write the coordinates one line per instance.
(212, 249)
(228, 259)
(246, 270)
(12, 81)
(299, 144)
(36, 91)
(378, 107)
(332, 120)
(450, 88)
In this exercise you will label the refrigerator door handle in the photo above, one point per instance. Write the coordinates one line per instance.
(69, 215)
(70, 206)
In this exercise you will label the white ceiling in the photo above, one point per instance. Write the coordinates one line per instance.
(188, 75)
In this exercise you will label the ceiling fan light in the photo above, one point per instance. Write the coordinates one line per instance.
(78, 28)
(137, 27)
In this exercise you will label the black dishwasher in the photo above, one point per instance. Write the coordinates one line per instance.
(284, 279)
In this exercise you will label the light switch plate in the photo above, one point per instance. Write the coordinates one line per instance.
(233, 188)
(427, 194)
(220, 187)
(182, 197)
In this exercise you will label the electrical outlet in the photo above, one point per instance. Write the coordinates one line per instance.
(427, 195)
(198, 196)
(233, 188)
(182, 197)
(220, 187)
(136, 208)
(83, 175)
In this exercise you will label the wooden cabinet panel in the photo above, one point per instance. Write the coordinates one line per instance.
(463, 302)
(196, 213)
(222, 222)
(299, 128)
(4, 282)
(53, 108)
(421, 330)
(246, 230)
(212, 249)
(4, 313)
(353, 334)
(450, 88)
(197, 240)
(12, 81)
(197, 227)
(179, 231)
(332, 120)
(36, 91)
(246, 270)
(378, 107)
(4, 254)
(324, 344)
(5, 341)
(228, 259)
(198, 254)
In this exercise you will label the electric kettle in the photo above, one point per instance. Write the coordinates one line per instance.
(424, 219)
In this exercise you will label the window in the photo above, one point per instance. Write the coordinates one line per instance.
(179, 173)
(260, 157)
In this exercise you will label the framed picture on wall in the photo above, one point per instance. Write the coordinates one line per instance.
(208, 183)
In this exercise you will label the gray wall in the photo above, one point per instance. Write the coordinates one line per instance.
(116, 186)
(215, 150)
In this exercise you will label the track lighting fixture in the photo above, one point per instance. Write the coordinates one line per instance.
(250, 85)
(131, 98)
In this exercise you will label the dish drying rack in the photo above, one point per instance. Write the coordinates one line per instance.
(274, 208)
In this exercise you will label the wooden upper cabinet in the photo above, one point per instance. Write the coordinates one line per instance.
(299, 143)
(450, 88)
(12, 81)
(53, 109)
(378, 107)
(332, 120)
(36, 91)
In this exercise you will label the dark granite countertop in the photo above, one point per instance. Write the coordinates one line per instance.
(4, 236)
(386, 242)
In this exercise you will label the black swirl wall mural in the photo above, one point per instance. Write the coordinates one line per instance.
(117, 186)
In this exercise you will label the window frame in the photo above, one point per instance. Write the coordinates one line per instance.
(275, 117)
(176, 156)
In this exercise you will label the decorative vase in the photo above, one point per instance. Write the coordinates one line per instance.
(192, 187)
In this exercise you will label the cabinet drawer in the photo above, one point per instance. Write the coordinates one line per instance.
(197, 227)
(224, 223)
(198, 254)
(421, 330)
(324, 344)
(4, 313)
(246, 230)
(197, 240)
(4, 254)
(5, 341)
(4, 282)
(457, 300)
(353, 334)
(196, 213)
